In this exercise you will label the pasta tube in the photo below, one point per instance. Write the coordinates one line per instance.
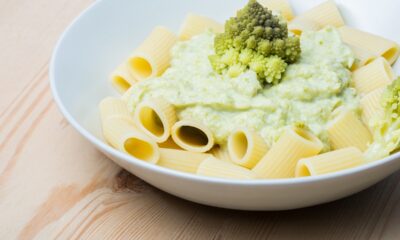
(213, 167)
(301, 24)
(169, 144)
(246, 147)
(155, 117)
(325, 14)
(153, 56)
(114, 107)
(371, 105)
(121, 78)
(281, 159)
(281, 6)
(372, 76)
(122, 135)
(181, 160)
(221, 152)
(126, 96)
(192, 136)
(347, 130)
(196, 24)
(329, 162)
(363, 56)
(380, 46)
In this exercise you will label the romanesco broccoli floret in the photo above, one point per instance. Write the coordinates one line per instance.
(386, 128)
(258, 40)
(391, 100)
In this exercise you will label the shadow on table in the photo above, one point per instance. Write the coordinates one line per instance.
(361, 216)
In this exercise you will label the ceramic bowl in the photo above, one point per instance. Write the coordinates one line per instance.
(107, 32)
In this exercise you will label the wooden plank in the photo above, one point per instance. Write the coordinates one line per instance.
(29, 30)
(55, 185)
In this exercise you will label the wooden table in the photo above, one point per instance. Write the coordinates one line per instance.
(54, 184)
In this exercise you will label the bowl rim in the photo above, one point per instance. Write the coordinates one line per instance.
(175, 173)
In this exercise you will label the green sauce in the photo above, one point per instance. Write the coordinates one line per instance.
(311, 89)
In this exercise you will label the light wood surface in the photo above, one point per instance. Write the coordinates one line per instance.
(55, 185)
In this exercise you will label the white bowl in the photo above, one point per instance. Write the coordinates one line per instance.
(105, 34)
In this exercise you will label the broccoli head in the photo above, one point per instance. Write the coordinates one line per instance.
(391, 100)
(258, 40)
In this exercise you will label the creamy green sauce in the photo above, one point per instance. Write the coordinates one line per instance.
(310, 90)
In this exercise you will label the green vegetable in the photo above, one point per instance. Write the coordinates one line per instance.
(258, 40)
(391, 100)
(386, 130)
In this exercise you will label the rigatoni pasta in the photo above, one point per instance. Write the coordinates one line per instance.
(246, 147)
(124, 136)
(325, 14)
(281, 6)
(347, 130)
(281, 159)
(155, 117)
(170, 144)
(380, 46)
(120, 132)
(152, 57)
(125, 96)
(371, 105)
(192, 136)
(375, 75)
(195, 24)
(213, 167)
(114, 107)
(302, 24)
(181, 160)
(363, 56)
(122, 79)
(333, 161)
(221, 152)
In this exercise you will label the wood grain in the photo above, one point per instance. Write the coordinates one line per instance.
(55, 185)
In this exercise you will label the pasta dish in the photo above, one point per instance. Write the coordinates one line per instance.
(265, 95)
